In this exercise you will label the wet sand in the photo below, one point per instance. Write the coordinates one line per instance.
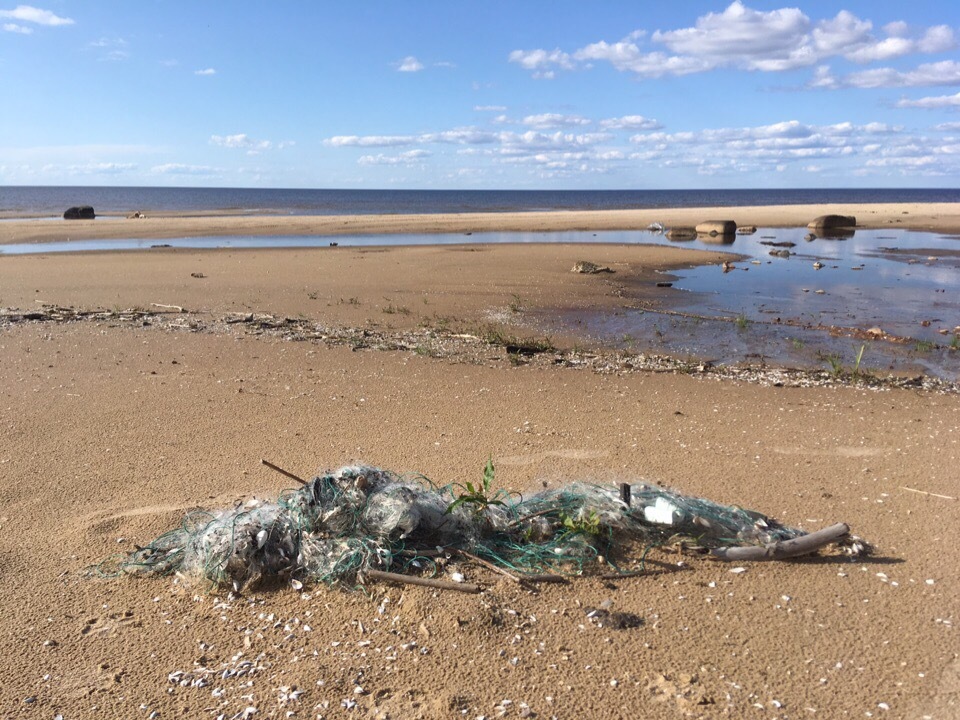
(110, 431)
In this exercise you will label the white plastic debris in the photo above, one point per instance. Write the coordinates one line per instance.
(661, 512)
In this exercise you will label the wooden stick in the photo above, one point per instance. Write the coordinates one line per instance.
(544, 578)
(426, 582)
(802, 545)
(924, 492)
(489, 565)
(283, 472)
(168, 307)
(533, 515)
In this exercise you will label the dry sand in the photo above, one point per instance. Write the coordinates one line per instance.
(110, 432)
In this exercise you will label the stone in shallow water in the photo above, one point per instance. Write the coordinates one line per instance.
(717, 227)
(79, 212)
(832, 222)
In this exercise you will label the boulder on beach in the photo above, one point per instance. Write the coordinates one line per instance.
(681, 233)
(717, 227)
(832, 222)
(79, 212)
(590, 268)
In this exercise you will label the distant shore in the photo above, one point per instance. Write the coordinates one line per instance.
(938, 217)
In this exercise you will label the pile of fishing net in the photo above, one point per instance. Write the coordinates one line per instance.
(358, 519)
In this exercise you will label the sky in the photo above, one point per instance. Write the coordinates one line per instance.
(528, 94)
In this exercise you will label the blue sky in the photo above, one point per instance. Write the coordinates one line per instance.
(529, 94)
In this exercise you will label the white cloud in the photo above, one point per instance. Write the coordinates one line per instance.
(778, 36)
(490, 108)
(460, 136)
(948, 127)
(740, 37)
(409, 64)
(937, 39)
(405, 158)
(626, 56)
(205, 71)
(541, 59)
(111, 48)
(101, 168)
(630, 122)
(932, 103)
(370, 140)
(182, 169)
(14, 28)
(945, 72)
(241, 141)
(26, 13)
(553, 120)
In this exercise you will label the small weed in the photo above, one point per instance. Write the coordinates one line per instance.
(955, 342)
(312, 295)
(479, 496)
(496, 335)
(516, 305)
(589, 525)
(836, 364)
(392, 309)
(924, 346)
(628, 339)
(351, 301)
(742, 321)
(797, 343)
(856, 363)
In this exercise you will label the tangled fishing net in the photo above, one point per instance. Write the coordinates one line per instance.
(361, 518)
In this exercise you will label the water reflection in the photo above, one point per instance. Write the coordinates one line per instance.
(797, 306)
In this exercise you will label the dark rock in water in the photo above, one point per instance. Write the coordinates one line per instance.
(79, 212)
(664, 284)
(681, 233)
(781, 243)
(746, 230)
(832, 222)
(810, 237)
(717, 227)
(781, 253)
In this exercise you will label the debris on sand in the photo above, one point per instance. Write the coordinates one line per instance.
(359, 522)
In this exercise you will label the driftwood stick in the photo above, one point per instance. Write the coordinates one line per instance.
(924, 492)
(532, 515)
(426, 582)
(489, 565)
(283, 472)
(544, 578)
(802, 545)
(168, 307)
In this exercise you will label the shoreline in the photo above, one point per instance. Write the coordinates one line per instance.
(937, 217)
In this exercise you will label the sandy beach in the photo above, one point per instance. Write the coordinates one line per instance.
(943, 217)
(114, 425)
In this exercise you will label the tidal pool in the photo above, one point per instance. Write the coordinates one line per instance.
(813, 304)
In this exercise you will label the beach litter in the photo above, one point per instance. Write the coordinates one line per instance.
(361, 523)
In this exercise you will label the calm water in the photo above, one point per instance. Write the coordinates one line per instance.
(906, 283)
(18, 201)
